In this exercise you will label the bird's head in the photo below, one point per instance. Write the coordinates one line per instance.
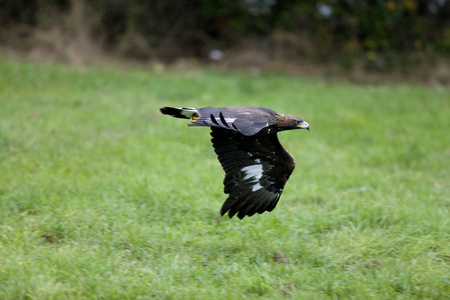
(287, 122)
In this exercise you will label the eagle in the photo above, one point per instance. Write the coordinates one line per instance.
(245, 140)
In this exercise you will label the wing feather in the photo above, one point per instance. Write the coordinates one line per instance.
(256, 170)
(246, 120)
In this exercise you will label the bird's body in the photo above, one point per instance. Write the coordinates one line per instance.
(245, 140)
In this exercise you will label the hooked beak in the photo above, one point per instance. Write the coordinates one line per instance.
(303, 125)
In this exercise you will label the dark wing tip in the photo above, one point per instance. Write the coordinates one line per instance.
(166, 110)
(248, 205)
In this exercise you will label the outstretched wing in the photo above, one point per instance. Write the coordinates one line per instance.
(246, 120)
(256, 170)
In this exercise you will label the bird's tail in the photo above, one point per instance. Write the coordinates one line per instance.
(183, 113)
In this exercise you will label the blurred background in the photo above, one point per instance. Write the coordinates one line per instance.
(393, 39)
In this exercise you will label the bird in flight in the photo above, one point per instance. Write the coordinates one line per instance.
(245, 140)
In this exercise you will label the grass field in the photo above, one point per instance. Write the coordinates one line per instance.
(102, 197)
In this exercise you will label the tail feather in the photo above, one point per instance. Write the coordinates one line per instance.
(183, 113)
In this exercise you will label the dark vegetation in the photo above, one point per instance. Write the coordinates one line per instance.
(376, 36)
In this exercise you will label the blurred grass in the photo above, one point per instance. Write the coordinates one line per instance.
(103, 197)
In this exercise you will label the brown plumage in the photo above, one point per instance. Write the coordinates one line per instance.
(245, 140)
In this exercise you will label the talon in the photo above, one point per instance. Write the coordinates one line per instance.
(193, 119)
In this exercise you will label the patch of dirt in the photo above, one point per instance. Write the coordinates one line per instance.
(372, 264)
(287, 289)
(50, 238)
(375, 263)
(319, 200)
(280, 258)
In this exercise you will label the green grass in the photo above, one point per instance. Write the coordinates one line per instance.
(101, 197)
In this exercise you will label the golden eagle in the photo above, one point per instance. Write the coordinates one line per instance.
(245, 140)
